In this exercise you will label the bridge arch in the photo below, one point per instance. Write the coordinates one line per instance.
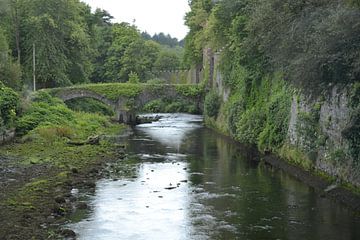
(70, 94)
(82, 93)
(129, 98)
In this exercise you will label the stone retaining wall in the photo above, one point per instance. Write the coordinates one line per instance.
(7, 136)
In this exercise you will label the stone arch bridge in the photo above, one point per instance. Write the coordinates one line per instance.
(127, 99)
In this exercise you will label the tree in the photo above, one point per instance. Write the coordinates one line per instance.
(195, 41)
(139, 58)
(58, 30)
(10, 72)
(167, 60)
(123, 35)
(100, 27)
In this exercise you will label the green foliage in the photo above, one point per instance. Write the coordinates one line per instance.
(112, 90)
(58, 30)
(74, 45)
(167, 60)
(133, 78)
(322, 49)
(189, 90)
(156, 81)
(10, 72)
(212, 104)
(162, 39)
(9, 101)
(195, 41)
(155, 106)
(49, 118)
(277, 119)
(165, 105)
(308, 127)
(257, 112)
(44, 111)
(129, 53)
(139, 57)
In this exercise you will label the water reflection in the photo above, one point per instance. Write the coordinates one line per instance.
(192, 183)
(171, 129)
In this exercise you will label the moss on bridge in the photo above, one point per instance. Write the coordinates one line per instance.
(113, 91)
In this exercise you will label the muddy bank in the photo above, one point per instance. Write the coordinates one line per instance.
(37, 198)
(325, 188)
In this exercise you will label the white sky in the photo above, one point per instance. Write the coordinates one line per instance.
(153, 16)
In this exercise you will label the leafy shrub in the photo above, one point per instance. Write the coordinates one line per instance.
(9, 101)
(133, 78)
(250, 125)
(189, 90)
(212, 104)
(156, 81)
(45, 110)
(277, 120)
(155, 106)
(169, 106)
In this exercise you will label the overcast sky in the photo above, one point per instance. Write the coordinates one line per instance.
(153, 16)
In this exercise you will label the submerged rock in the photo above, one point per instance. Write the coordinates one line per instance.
(68, 233)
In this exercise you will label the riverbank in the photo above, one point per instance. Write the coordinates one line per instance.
(325, 185)
(56, 151)
(38, 177)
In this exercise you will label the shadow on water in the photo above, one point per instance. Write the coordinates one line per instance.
(192, 183)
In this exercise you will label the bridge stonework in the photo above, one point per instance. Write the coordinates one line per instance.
(120, 106)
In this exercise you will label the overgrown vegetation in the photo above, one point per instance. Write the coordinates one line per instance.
(48, 117)
(166, 105)
(212, 104)
(45, 128)
(9, 102)
(269, 50)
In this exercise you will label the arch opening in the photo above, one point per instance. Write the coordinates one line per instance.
(89, 104)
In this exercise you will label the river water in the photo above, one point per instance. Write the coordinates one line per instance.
(184, 181)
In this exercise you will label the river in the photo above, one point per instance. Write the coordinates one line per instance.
(184, 181)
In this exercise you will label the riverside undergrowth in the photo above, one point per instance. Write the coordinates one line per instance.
(48, 166)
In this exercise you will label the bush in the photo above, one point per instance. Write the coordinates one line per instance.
(212, 104)
(44, 110)
(9, 102)
(155, 106)
(170, 106)
(133, 78)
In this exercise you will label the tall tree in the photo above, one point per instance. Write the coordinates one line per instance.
(101, 39)
(123, 35)
(10, 73)
(139, 58)
(58, 30)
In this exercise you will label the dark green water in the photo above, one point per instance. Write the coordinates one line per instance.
(191, 183)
